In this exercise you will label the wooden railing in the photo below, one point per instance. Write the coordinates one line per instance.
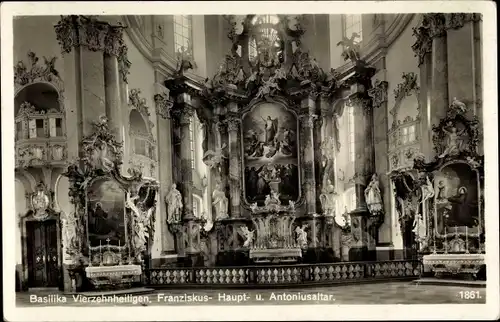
(283, 275)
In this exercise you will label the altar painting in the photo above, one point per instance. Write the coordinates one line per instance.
(106, 213)
(456, 200)
(270, 137)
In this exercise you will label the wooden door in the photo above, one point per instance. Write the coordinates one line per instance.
(43, 259)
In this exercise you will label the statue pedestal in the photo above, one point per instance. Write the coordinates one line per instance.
(363, 232)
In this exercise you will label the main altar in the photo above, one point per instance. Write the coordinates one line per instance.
(270, 136)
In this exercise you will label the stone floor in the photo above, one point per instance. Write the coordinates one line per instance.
(376, 293)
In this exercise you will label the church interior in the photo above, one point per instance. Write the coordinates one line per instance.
(222, 150)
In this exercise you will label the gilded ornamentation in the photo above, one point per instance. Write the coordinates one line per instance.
(456, 134)
(37, 72)
(378, 93)
(138, 102)
(458, 20)
(163, 105)
(100, 149)
(407, 87)
(40, 202)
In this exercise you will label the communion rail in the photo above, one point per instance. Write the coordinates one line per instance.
(284, 275)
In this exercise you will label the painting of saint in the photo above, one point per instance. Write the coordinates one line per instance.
(456, 199)
(106, 210)
(270, 153)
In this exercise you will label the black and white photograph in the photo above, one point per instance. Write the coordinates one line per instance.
(265, 158)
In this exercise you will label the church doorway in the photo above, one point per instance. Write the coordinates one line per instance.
(42, 253)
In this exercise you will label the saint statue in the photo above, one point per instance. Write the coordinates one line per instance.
(301, 236)
(175, 205)
(427, 190)
(327, 199)
(373, 197)
(419, 229)
(220, 202)
(453, 143)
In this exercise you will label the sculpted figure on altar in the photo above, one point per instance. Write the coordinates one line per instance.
(301, 236)
(174, 205)
(220, 202)
(327, 199)
(454, 143)
(373, 196)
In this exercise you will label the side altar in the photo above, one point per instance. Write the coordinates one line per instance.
(107, 237)
(444, 198)
(270, 140)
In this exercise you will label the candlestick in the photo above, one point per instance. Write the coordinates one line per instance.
(466, 241)
(445, 242)
(100, 253)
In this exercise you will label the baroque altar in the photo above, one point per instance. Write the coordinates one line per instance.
(265, 115)
(444, 198)
(108, 235)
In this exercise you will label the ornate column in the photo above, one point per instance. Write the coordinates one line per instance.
(364, 225)
(462, 51)
(185, 115)
(164, 106)
(233, 128)
(423, 49)
(113, 49)
(439, 100)
(85, 41)
(307, 128)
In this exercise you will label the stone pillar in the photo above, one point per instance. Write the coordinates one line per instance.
(307, 122)
(439, 100)
(185, 118)
(233, 126)
(84, 42)
(164, 133)
(364, 228)
(112, 93)
(462, 56)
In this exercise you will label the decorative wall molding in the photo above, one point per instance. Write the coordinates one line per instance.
(163, 105)
(435, 25)
(407, 87)
(36, 72)
(94, 35)
(378, 93)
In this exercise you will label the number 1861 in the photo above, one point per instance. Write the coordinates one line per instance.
(469, 295)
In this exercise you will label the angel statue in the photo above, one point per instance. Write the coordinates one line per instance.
(458, 106)
(140, 223)
(220, 202)
(174, 205)
(248, 235)
(103, 162)
(351, 48)
(373, 197)
(427, 190)
(420, 230)
(301, 235)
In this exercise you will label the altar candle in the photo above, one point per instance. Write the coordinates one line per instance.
(466, 241)
(445, 244)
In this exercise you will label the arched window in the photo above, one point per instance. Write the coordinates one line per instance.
(183, 33)
(352, 24)
(265, 43)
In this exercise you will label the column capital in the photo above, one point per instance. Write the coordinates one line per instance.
(163, 105)
(378, 93)
(233, 123)
(94, 35)
(360, 102)
(308, 120)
